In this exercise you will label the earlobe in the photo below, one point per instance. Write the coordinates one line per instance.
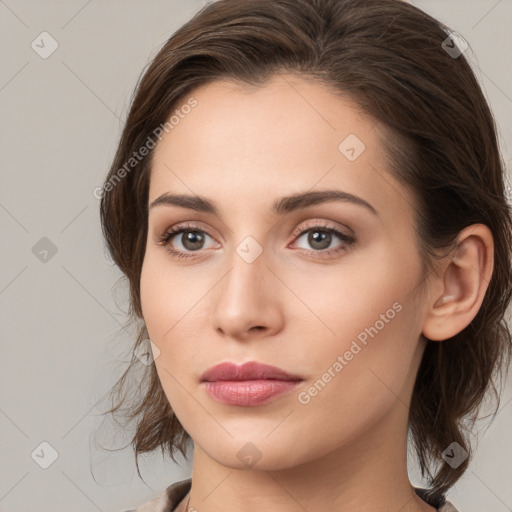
(461, 285)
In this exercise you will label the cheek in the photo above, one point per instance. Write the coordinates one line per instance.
(151, 295)
(366, 315)
(172, 313)
(357, 382)
(341, 301)
(163, 295)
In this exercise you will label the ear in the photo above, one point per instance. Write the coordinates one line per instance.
(458, 290)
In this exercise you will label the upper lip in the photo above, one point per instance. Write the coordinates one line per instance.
(247, 371)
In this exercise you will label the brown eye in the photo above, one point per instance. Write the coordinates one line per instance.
(191, 240)
(320, 238)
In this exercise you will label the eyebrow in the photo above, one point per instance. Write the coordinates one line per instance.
(280, 206)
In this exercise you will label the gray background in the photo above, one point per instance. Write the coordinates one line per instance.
(62, 319)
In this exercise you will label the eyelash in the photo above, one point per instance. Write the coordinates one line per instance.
(176, 230)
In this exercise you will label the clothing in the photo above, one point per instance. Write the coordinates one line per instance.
(174, 493)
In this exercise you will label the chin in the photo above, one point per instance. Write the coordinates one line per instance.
(256, 453)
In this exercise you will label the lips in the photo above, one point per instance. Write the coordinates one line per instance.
(249, 385)
(247, 371)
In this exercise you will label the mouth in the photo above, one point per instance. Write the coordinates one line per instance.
(248, 385)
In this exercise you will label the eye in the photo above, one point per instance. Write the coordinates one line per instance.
(192, 239)
(321, 237)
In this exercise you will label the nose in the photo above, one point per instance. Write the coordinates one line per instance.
(247, 300)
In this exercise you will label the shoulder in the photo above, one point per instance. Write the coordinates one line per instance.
(168, 500)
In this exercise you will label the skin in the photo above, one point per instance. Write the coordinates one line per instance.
(291, 307)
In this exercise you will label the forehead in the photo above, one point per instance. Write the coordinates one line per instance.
(287, 136)
(236, 119)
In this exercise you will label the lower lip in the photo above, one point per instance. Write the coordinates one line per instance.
(248, 393)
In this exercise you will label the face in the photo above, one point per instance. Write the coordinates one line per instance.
(323, 290)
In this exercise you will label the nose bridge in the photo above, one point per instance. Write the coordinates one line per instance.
(246, 297)
(247, 303)
(248, 264)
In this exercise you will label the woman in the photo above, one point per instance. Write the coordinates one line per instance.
(308, 202)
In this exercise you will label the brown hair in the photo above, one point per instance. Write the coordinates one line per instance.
(389, 57)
